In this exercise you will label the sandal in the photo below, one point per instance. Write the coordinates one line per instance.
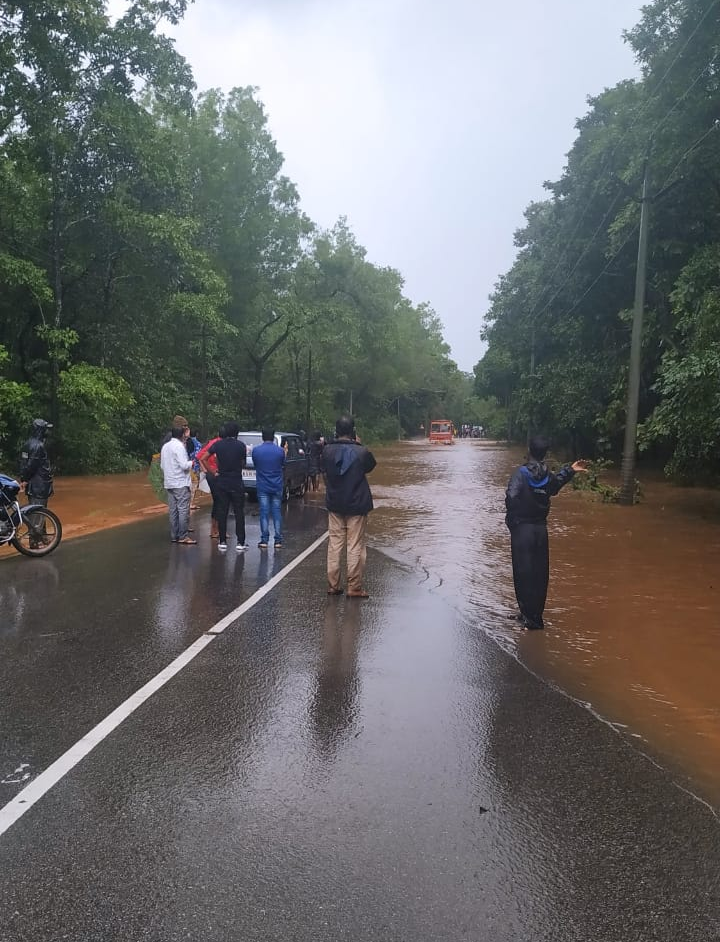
(187, 542)
(334, 591)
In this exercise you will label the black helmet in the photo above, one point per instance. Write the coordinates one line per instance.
(40, 425)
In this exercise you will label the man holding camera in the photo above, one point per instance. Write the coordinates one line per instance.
(345, 463)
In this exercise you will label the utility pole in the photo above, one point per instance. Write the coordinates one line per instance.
(204, 385)
(627, 487)
(399, 423)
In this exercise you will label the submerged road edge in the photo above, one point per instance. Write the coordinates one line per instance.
(32, 793)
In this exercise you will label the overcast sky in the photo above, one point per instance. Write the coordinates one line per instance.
(430, 125)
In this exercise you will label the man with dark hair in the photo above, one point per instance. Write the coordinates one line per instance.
(345, 462)
(231, 456)
(176, 466)
(35, 468)
(269, 460)
(527, 501)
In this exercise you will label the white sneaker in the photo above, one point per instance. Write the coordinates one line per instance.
(222, 547)
(241, 547)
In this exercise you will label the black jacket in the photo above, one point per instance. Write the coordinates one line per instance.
(347, 491)
(35, 468)
(527, 499)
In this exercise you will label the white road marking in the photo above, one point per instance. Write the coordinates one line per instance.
(33, 792)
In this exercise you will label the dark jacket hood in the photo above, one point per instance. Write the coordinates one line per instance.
(536, 472)
(344, 454)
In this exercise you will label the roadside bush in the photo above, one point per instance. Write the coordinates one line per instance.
(590, 481)
(15, 416)
(94, 407)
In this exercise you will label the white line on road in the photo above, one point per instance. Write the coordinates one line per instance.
(33, 792)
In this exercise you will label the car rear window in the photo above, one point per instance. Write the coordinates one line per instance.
(251, 440)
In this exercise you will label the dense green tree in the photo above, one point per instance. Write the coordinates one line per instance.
(155, 259)
(558, 329)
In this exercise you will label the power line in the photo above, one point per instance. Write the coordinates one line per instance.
(581, 256)
(605, 270)
(713, 127)
(651, 97)
(684, 95)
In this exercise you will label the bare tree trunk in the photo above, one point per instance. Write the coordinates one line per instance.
(309, 391)
(57, 319)
(204, 386)
(257, 405)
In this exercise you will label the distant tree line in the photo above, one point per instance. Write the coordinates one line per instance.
(558, 330)
(155, 260)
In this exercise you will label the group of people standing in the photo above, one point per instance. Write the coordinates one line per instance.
(222, 459)
(343, 463)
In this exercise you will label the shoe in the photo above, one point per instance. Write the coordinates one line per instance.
(262, 545)
(362, 594)
(334, 591)
(187, 542)
(241, 547)
(222, 547)
(278, 546)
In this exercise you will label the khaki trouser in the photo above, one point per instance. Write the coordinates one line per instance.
(350, 532)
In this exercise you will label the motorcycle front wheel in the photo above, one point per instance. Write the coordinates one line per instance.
(39, 533)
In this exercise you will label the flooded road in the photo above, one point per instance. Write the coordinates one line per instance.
(194, 741)
(632, 615)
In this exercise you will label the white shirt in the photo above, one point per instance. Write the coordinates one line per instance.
(175, 464)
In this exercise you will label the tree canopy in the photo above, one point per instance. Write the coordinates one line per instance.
(155, 258)
(558, 328)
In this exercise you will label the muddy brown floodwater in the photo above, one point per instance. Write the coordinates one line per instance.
(632, 616)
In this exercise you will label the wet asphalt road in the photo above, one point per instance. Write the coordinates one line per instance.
(326, 769)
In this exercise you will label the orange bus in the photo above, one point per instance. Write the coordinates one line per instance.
(441, 432)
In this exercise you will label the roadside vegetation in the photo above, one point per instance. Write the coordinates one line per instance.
(558, 330)
(155, 259)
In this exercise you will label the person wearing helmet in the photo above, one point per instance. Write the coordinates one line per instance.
(35, 468)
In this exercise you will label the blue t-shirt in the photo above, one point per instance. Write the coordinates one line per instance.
(268, 460)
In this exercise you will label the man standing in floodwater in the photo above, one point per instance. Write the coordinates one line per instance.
(527, 501)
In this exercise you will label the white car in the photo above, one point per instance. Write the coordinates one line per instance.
(296, 462)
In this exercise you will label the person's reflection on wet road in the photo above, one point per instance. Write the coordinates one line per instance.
(333, 708)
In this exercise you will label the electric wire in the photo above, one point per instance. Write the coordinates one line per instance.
(713, 127)
(615, 149)
(605, 270)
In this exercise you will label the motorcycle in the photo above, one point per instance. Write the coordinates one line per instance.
(32, 529)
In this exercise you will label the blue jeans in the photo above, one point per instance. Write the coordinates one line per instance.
(267, 503)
